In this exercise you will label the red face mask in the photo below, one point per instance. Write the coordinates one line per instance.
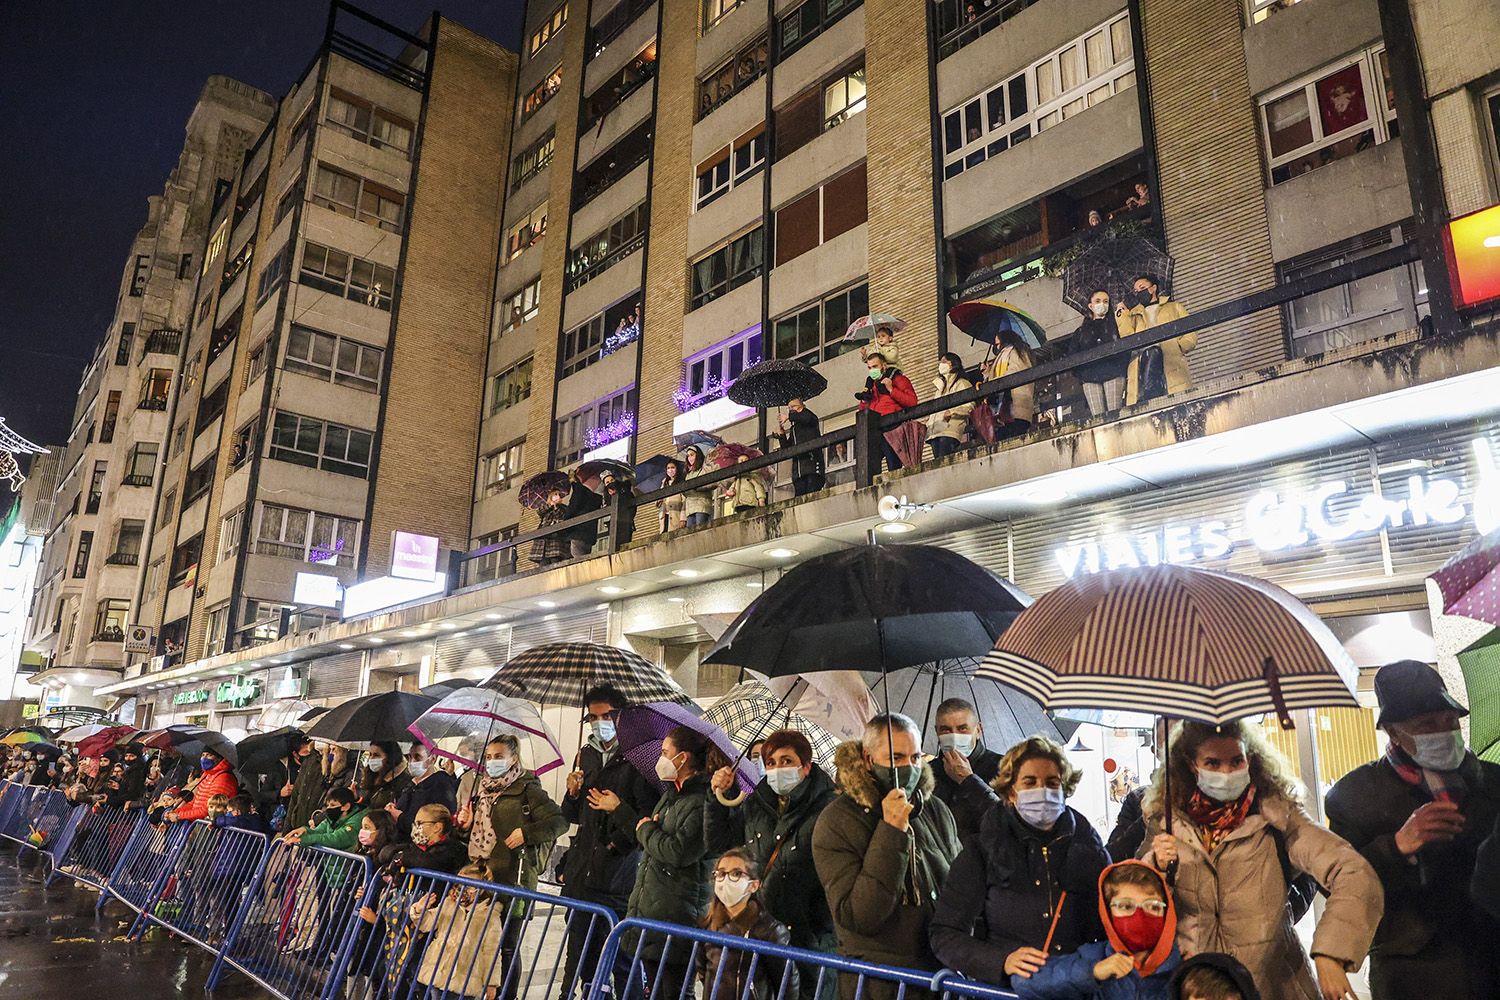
(1140, 931)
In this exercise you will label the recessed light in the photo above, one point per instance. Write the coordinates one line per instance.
(755, 585)
(781, 553)
(375, 640)
(896, 528)
(346, 645)
(447, 625)
(611, 590)
(254, 665)
(459, 635)
(546, 604)
(1492, 242)
(494, 617)
(676, 600)
(686, 574)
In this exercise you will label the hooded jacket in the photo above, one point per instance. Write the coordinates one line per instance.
(342, 835)
(217, 780)
(308, 792)
(900, 396)
(603, 855)
(881, 884)
(1071, 977)
(1236, 972)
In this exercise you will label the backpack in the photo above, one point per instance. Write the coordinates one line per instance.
(1300, 886)
(534, 857)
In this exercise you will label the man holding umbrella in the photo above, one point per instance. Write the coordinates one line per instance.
(799, 426)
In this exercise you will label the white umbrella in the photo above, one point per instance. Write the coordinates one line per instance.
(79, 733)
(459, 726)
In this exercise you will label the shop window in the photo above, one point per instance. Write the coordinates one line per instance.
(731, 166)
(1329, 115)
(521, 306)
(1356, 311)
(510, 387)
(821, 215)
(321, 444)
(815, 333)
(737, 73)
(727, 268)
(548, 30)
(502, 468)
(527, 232)
(538, 96)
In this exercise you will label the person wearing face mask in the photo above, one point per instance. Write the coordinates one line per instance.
(1025, 888)
(1239, 836)
(882, 851)
(1103, 380)
(775, 823)
(1162, 369)
(325, 767)
(217, 778)
(968, 766)
(383, 777)
(736, 911)
(429, 783)
(339, 827)
(886, 391)
(523, 820)
(1419, 815)
(1017, 412)
(945, 431)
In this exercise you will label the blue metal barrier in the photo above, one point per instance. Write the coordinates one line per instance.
(99, 836)
(10, 797)
(146, 864)
(37, 817)
(207, 884)
(16, 807)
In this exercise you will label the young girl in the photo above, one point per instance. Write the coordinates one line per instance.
(377, 841)
(735, 910)
(464, 940)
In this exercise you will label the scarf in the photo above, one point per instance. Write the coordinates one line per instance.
(1217, 820)
(482, 837)
(1442, 786)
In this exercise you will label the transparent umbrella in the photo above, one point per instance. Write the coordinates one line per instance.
(459, 726)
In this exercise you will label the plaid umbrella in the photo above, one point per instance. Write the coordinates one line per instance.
(1480, 663)
(1468, 582)
(985, 319)
(776, 382)
(374, 717)
(641, 728)
(560, 673)
(1008, 716)
(459, 726)
(750, 711)
(864, 328)
(907, 440)
(534, 491)
(1113, 265)
(1173, 640)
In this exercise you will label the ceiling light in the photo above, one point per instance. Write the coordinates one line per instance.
(781, 553)
(447, 625)
(686, 574)
(494, 617)
(410, 634)
(755, 585)
(1043, 493)
(895, 528)
(611, 589)
(546, 604)
(459, 635)
(346, 645)
(676, 600)
(375, 640)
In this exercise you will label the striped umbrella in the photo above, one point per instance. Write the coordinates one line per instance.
(560, 673)
(1173, 640)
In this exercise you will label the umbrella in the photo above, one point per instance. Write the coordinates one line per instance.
(560, 673)
(985, 319)
(264, 749)
(648, 474)
(534, 491)
(21, 737)
(1113, 265)
(104, 740)
(1468, 582)
(312, 713)
(279, 714)
(776, 382)
(749, 711)
(836, 701)
(864, 327)
(1008, 716)
(470, 717)
(78, 733)
(386, 716)
(190, 740)
(906, 440)
(590, 472)
(729, 454)
(878, 607)
(1480, 663)
(707, 440)
(640, 729)
(156, 739)
(443, 689)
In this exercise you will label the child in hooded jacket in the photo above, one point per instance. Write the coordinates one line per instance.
(1139, 955)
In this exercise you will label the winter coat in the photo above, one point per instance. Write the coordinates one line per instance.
(438, 787)
(950, 423)
(217, 780)
(1484, 887)
(553, 547)
(463, 947)
(970, 800)
(1004, 887)
(626, 496)
(1234, 900)
(881, 884)
(383, 789)
(671, 511)
(898, 397)
(448, 855)
(1022, 397)
(582, 500)
(132, 788)
(1096, 333)
(307, 792)
(602, 858)
(524, 805)
(342, 835)
(789, 886)
(801, 428)
(748, 490)
(1173, 352)
(1430, 899)
(699, 501)
(671, 882)
(1130, 827)
(729, 982)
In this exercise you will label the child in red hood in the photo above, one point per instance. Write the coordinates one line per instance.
(1137, 960)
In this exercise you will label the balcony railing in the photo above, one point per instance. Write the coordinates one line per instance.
(603, 184)
(613, 24)
(123, 559)
(234, 267)
(164, 342)
(960, 22)
(152, 403)
(112, 634)
(580, 278)
(137, 479)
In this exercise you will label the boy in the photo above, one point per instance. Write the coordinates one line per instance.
(885, 345)
(1212, 976)
(1137, 960)
(242, 815)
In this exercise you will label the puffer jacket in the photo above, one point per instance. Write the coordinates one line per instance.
(881, 884)
(1234, 900)
(1022, 397)
(603, 855)
(789, 886)
(1004, 890)
(950, 423)
(671, 882)
(698, 501)
(527, 807)
(743, 491)
(217, 780)
(738, 967)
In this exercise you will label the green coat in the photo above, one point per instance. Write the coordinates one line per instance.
(308, 792)
(672, 881)
(525, 806)
(340, 836)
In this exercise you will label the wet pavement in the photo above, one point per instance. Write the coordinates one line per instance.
(54, 947)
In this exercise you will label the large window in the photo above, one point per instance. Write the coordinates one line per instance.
(538, 96)
(727, 268)
(358, 198)
(600, 336)
(308, 535)
(122, 347)
(369, 124)
(714, 11)
(229, 534)
(960, 22)
(319, 444)
(1334, 113)
(185, 561)
(533, 160)
(731, 166)
(354, 278)
(821, 215)
(809, 21)
(596, 177)
(510, 387)
(140, 468)
(815, 333)
(550, 27)
(110, 620)
(1356, 311)
(601, 422)
(605, 248)
(733, 76)
(527, 232)
(336, 359)
(273, 276)
(216, 244)
(81, 557)
(614, 91)
(523, 305)
(843, 97)
(155, 387)
(502, 468)
(211, 406)
(708, 374)
(127, 550)
(199, 479)
(1081, 74)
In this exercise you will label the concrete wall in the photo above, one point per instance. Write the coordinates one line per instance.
(1342, 199)
(1296, 40)
(1006, 50)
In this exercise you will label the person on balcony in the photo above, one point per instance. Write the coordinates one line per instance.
(671, 512)
(555, 546)
(886, 391)
(945, 431)
(744, 492)
(1017, 412)
(1103, 380)
(1160, 370)
(581, 500)
(799, 426)
(698, 505)
(620, 489)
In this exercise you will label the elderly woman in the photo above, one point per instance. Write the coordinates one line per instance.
(1238, 824)
(1026, 888)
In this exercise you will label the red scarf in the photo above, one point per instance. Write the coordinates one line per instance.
(1217, 820)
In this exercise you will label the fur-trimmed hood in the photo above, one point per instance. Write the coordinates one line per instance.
(859, 784)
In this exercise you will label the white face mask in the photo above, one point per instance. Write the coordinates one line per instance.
(759, 765)
(497, 768)
(418, 768)
(732, 893)
(1041, 807)
(944, 368)
(1439, 751)
(963, 743)
(784, 779)
(604, 730)
(374, 763)
(1099, 308)
(1224, 786)
(665, 769)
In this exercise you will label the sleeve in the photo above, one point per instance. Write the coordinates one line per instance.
(955, 941)
(547, 821)
(963, 409)
(723, 827)
(677, 840)
(336, 838)
(1130, 828)
(572, 806)
(1356, 899)
(1484, 887)
(1064, 977)
(902, 391)
(1379, 849)
(1187, 341)
(637, 798)
(862, 882)
(976, 795)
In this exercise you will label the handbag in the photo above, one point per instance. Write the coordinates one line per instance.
(1151, 373)
(982, 422)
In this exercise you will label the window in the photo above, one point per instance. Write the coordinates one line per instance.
(614, 91)
(613, 164)
(550, 27)
(815, 333)
(1333, 114)
(184, 265)
(273, 276)
(141, 466)
(179, 438)
(533, 160)
(354, 278)
(154, 389)
(602, 421)
(199, 479)
(501, 469)
(218, 629)
(727, 268)
(960, 22)
(111, 415)
(521, 306)
(1358, 311)
(224, 335)
(605, 248)
(1077, 76)
(714, 11)
(301, 126)
(185, 562)
(229, 534)
(288, 202)
(153, 578)
(122, 348)
(599, 337)
(205, 306)
(250, 196)
(495, 564)
(821, 214)
(127, 550)
(369, 124)
(808, 21)
(216, 245)
(139, 274)
(707, 375)
(255, 366)
(110, 620)
(96, 487)
(358, 198)
(843, 98)
(799, 122)
(527, 232)
(538, 96)
(337, 359)
(1262, 9)
(1492, 115)
(168, 506)
(211, 406)
(510, 387)
(245, 443)
(731, 166)
(747, 66)
(319, 444)
(81, 557)
(308, 535)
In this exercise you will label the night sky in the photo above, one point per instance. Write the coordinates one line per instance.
(94, 100)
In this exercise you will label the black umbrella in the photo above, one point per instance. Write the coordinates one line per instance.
(648, 474)
(264, 749)
(1113, 265)
(776, 382)
(590, 471)
(313, 713)
(876, 606)
(190, 740)
(534, 491)
(443, 689)
(374, 717)
(1008, 716)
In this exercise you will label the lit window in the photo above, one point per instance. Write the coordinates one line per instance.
(1334, 113)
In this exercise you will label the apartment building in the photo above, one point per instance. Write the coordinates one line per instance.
(23, 529)
(334, 349)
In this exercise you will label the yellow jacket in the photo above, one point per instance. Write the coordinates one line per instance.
(1173, 352)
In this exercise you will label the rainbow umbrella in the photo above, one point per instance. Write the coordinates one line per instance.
(986, 319)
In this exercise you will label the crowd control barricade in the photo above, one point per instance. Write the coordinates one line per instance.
(10, 798)
(445, 936)
(16, 810)
(97, 839)
(37, 818)
(207, 884)
(293, 932)
(145, 865)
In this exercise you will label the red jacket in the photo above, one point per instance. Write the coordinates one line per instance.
(900, 396)
(217, 780)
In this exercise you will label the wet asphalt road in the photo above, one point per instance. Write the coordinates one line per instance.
(53, 947)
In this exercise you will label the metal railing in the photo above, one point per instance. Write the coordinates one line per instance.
(960, 22)
(582, 277)
(613, 25)
(163, 342)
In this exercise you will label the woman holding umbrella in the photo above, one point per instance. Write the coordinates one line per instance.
(1011, 356)
(1238, 832)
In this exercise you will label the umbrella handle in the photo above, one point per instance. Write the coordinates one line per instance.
(727, 801)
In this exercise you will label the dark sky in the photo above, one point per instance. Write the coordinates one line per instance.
(94, 100)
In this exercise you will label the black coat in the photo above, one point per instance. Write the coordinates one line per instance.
(1093, 333)
(132, 788)
(438, 788)
(1130, 827)
(602, 858)
(969, 801)
(804, 428)
(1002, 889)
(582, 500)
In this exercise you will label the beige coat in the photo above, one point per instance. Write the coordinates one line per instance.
(747, 490)
(951, 423)
(1235, 900)
(1173, 352)
(463, 953)
(1022, 397)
